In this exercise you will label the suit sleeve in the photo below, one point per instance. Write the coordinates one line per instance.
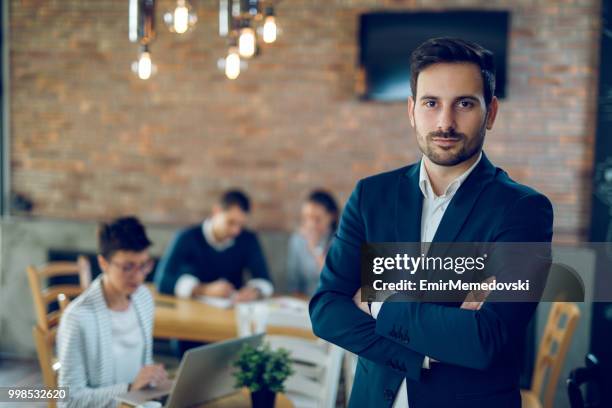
(175, 263)
(478, 337)
(336, 318)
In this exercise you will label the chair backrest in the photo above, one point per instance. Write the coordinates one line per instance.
(557, 337)
(44, 340)
(45, 345)
(317, 366)
(43, 295)
(317, 363)
(349, 368)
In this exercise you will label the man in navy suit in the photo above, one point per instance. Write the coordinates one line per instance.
(425, 354)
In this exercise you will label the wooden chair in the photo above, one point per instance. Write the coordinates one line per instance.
(43, 296)
(349, 366)
(45, 329)
(558, 333)
(317, 366)
(63, 302)
(44, 341)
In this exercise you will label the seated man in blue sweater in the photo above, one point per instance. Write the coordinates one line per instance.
(209, 259)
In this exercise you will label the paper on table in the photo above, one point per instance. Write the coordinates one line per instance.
(289, 304)
(220, 302)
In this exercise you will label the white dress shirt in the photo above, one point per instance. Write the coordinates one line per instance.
(434, 207)
(186, 284)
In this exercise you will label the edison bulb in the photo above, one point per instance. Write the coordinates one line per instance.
(269, 30)
(181, 19)
(232, 64)
(145, 66)
(246, 42)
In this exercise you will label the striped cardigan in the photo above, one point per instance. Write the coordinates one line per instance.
(85, 347)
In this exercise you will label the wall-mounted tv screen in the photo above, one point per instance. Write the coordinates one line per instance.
(387, 39)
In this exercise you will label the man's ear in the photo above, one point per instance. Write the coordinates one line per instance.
(411, 110)
(492, 112)
(216, 209)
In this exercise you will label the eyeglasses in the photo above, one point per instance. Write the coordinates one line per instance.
(130, 268)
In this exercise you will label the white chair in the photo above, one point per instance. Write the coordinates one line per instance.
(316, 363)
(349, 367)
(317, 366)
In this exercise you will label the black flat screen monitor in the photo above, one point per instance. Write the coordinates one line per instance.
(388, 38)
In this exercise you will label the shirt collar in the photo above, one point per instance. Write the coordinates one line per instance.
(451, 189)
(207, 230)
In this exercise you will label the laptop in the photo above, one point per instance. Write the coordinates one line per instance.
(205, 374)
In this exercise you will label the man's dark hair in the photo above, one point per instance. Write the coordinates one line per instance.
(327, 201)
(235, 198)
(122, 234)
(441, 50)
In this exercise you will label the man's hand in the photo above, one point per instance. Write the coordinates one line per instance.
(218, 288)
(247, 294)
(361, 305)
(475, 299)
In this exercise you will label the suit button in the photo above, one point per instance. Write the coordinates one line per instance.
(389, 395)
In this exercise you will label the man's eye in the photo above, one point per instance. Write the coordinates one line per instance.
(466, 104)
(430, 104)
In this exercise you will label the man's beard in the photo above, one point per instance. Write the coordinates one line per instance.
(466, 151)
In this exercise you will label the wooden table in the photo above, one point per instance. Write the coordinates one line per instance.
(241, 399)
(188, 319)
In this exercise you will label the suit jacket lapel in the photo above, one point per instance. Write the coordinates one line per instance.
(409, 206)
(462, 203)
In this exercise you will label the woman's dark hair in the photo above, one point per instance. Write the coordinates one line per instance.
(122, 234)
(440, 50)
(327, 201)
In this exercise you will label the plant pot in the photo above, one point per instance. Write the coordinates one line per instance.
(263, 399)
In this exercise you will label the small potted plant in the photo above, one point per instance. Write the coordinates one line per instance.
(263, 371)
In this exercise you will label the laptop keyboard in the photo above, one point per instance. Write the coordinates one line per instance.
(163, 399)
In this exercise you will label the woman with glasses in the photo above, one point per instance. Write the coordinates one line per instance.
(105, 336)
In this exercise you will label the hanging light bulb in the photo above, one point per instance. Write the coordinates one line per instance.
(144, 67)
(247, 40)
(269, 27)
(232, 63)
(181, 19)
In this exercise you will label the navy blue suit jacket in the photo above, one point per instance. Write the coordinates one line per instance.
(478, 351)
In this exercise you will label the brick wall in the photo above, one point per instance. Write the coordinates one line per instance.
(89, 140)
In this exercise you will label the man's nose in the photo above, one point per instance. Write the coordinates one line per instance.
(446, 119)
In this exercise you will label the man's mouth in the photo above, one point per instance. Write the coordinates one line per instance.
(445, 141)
